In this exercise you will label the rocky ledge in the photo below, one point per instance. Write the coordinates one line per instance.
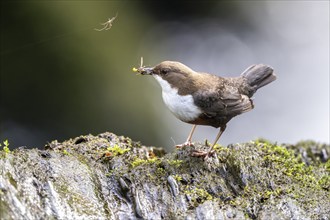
(113, 177)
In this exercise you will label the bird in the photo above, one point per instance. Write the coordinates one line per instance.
(200, 98)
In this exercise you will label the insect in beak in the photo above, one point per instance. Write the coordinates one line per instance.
(143, 70)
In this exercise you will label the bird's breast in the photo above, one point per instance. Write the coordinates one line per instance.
(182, 106)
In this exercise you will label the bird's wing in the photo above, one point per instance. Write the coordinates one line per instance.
(227, 102)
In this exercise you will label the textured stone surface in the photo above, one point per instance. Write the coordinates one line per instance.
(111, 177)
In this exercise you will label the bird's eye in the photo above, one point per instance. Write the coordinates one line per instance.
(164, 71)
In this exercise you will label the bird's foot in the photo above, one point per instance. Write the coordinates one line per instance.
(203, 154)
(187, 143)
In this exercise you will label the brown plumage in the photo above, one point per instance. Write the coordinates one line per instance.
(206, 99)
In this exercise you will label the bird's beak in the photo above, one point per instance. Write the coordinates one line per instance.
(144, 70)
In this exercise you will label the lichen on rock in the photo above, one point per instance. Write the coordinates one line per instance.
(112, 177)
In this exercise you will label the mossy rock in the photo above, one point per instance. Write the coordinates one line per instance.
(113, 177)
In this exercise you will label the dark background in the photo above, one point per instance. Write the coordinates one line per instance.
(60, 78)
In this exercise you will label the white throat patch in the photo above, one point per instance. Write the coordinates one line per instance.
(182, 107)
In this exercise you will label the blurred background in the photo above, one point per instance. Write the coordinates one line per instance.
(60, 78)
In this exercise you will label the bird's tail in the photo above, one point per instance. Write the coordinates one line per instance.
(258, 76)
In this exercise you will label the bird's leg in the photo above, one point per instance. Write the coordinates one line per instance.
(210, 151)
(188, 141)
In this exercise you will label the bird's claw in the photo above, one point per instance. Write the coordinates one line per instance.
(187, 143)
(204, 154)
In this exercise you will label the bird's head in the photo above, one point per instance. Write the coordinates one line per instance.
(171, 71)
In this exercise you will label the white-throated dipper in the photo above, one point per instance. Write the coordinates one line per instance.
(205, 99)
